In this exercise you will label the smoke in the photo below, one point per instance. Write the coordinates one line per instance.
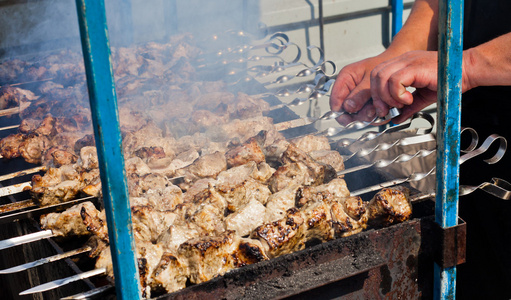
(35, 26)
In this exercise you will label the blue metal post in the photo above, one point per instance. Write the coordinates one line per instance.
(103, 100)
(397, 16)
(448, 131)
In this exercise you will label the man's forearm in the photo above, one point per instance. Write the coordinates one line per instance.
(488, 64)
(420, 31)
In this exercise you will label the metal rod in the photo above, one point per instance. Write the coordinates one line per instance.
(397, 16)
(103, 102)
(450, 54)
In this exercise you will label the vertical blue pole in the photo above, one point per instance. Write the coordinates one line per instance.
(397, 16)
(103, 100)
(448, 130)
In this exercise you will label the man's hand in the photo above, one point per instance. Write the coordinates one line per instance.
(390, 79)
(351, 92)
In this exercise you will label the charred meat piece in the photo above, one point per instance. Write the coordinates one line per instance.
(69, 222)
(170, 274)
(33, 147)
(9, 146)
(249, 252)
(12, 96)
(389, 206)
(335, 189)
(283, 236)
(210, 256)
(342, 212)
(242, 154)
(299, 169)
(318, 220)
(149, 224)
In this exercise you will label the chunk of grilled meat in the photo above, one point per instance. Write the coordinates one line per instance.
(311, 143)
(241, 154)
(210, 256)
(349, 216)
(389, 206)
(33, 147)
(336, 188)
(299, 169)
(246, 218)
(328, 157)
(149, 224)
(69, 222)
(283, 236)
(170, 274)
(10, 145)
(250, 251)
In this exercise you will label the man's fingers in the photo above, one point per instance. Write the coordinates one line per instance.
(421, 99)
(380, 80)
(343, 85)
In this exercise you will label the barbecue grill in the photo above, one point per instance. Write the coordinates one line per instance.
(395, 261)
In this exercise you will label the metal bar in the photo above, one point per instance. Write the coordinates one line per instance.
(397, 16)
(450, 54)
(103, 102)
(321, 26)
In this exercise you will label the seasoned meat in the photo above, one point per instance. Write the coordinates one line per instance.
(389, 206)
(279, 203)
(344, 224)
(170, 274)
(284, 236)
(311, 143)
(179, 233)
(205, 166)
(164, 199)
(242, 154)
(318, 220)
(68, 222)
(28, 125)
(9, 146)
(336, 188)
(210, 256)
(299, 169)
(56, 157)
(149, 224)
(328, 157)
(237, 195)
(246, 218)
(250, 251)
(32, 148)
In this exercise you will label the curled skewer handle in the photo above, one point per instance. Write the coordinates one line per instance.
(485, 146)
(498, 188)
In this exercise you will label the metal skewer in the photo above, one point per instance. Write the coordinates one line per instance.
(9, 127)
(60, 282)
(382, 163)
(22, 173)
(89, 294)
(45, 260)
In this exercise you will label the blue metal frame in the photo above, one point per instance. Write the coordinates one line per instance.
(103, 101)
(448, 130)
(397, 16)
